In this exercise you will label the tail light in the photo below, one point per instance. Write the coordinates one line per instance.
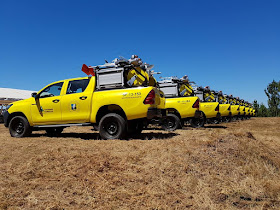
(217, 108)
(150, 99)
(196, 104)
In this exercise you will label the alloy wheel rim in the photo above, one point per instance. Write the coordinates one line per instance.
(170, 123)
(19, 128)
(112, 128)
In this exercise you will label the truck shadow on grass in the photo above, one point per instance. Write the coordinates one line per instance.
(215, 126)
(152, 136)
(95, 136)
(188, 127)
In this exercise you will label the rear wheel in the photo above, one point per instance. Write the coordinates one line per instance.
(19, 127)
(112, 126)
(171, 123)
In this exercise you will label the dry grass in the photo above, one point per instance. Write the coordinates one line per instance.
(230, 166)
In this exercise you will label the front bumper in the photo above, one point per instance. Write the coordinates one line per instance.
(156, 113)
(6, 116)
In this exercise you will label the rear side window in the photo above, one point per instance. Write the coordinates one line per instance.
(77, 86)
(52, 90)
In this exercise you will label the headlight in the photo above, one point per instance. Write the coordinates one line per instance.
(9, 106)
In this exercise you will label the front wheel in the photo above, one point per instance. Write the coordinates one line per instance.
(112, 126)
(19, 127)
(197, 122)
(216, 121)
(171, 123)
(228, 119)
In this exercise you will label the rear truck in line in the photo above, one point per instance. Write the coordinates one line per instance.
(106, 100)
(224, 107)
(247, 110)
(235, 107)
(242, 109)
(251, 111)
(181, 104)
(207, 105)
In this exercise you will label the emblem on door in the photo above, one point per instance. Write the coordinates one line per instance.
(74, 107)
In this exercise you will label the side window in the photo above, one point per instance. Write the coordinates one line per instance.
(50, 91)
(77, 86)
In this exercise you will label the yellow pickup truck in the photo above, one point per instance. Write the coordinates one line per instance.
(235, 107)
(247, 110)
(251, 110)
(241, 109)
(208, 106)
(224, 107)
(181, 104)
(254, 112)
(99, 100)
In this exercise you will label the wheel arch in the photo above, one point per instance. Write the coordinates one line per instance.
(174, 111)
(112, 108)
(14, 114)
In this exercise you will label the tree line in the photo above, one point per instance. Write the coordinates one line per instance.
(273, 94)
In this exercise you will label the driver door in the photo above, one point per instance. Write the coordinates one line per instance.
(46, 108)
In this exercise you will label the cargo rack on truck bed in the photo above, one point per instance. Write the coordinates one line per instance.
(120, 73)
(204, 94)
(175, 87)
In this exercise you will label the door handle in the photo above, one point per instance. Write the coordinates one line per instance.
(83, 97)
(55, 101)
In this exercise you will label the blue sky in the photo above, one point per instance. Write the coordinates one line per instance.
(231, 45)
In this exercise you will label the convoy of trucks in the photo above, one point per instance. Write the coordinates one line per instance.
(118, 99)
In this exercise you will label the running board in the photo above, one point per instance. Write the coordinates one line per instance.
(62, 125)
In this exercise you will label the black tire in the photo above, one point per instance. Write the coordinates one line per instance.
(112, 126)
(229, 119)
(197, 122)
(19, 127)
(171, 123)
(216, 121)
(135, 127)
(234, 118)
(54, 131)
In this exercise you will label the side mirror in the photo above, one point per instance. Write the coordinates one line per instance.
(34, 95)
